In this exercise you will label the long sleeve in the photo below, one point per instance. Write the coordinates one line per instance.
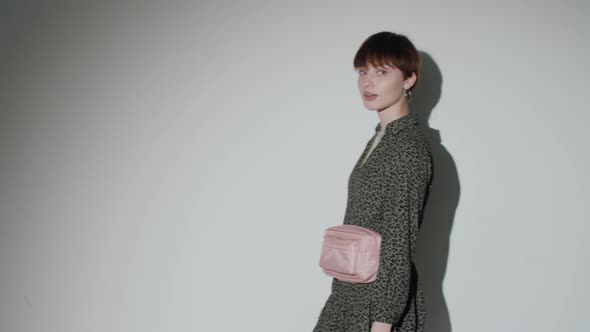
(407, 178)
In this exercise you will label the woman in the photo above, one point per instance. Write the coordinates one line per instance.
(387, 189)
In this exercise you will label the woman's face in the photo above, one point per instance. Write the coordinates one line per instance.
(386, 82)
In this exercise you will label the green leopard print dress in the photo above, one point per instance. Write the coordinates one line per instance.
(386, 194)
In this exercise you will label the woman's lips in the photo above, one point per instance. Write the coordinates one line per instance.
(370, 97)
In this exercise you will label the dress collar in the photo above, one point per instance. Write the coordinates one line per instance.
(398, 124)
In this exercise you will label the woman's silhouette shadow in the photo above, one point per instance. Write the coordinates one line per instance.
(432, 247)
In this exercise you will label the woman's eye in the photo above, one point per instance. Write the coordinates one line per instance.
(383, 71)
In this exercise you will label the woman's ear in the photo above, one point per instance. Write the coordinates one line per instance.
(410, 81)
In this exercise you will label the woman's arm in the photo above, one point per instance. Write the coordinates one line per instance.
(408, 176)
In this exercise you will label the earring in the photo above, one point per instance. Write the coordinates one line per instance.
(407, 93)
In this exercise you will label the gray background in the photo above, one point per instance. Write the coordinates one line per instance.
(171, 166)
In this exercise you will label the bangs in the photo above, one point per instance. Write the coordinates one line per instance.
(377, 59)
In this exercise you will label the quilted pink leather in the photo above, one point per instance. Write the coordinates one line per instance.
(351, 253)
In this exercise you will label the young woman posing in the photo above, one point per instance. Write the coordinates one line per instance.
(387, 189)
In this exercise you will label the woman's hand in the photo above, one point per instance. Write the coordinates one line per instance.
(380, 327)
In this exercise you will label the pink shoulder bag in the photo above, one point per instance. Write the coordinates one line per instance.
(351, 253)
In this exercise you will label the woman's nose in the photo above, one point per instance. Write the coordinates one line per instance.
(366, 82)
(367, 79)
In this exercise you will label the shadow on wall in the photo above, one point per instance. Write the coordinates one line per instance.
(432, 248)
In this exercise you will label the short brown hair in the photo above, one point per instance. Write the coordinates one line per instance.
(390, 48)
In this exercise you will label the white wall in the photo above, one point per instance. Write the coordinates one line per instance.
(172, 166)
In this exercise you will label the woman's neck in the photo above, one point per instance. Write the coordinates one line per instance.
(392, 113)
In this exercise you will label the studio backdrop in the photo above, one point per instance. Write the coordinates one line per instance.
(171, 165)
